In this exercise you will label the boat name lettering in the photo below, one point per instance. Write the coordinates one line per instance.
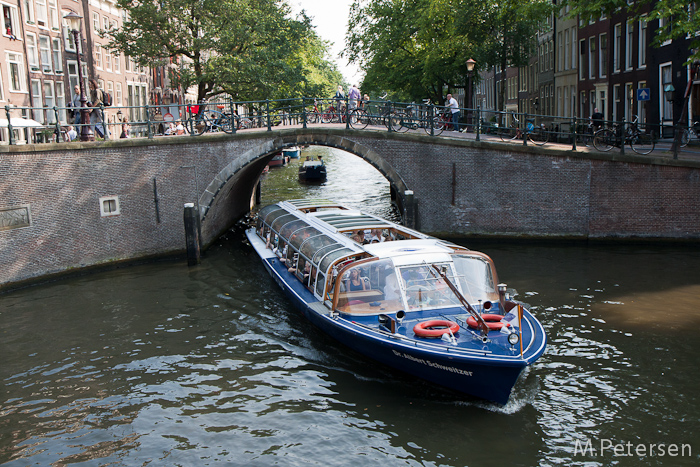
(432, 364)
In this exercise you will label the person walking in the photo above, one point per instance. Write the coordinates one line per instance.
(354, 96)
(454, 108)
(75, 104)
(339, 98)
(96, 99)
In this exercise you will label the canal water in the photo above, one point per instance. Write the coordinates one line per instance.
(160, 364)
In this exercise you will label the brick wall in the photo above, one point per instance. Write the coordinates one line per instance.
(460, 188)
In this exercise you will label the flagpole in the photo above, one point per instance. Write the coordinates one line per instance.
(520, 327)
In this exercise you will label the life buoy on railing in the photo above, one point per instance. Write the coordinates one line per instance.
(435, 328)
(492, 321)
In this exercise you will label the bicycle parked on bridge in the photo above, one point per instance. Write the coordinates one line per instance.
(690, 134)
(607, 138)
(536, 134)
(203, 120)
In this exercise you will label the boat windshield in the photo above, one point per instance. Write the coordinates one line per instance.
(476, 278)
(424, 288)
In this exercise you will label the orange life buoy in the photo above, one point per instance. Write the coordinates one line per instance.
(425, 328)
(492, 321)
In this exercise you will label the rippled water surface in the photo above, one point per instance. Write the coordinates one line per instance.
(163, 365)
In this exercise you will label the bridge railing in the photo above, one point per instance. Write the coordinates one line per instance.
(45, 124)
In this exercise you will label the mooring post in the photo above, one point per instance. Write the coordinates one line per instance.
(192, 234)
(409, 209)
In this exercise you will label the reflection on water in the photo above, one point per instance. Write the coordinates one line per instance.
(162, 364)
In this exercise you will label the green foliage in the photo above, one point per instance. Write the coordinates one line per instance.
(248, 49)
(681, 16)
(419, 48)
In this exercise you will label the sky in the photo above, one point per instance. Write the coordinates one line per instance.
(330, 17)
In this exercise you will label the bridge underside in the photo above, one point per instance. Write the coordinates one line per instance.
(230, 195)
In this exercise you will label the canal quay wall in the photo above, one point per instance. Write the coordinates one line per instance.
(65, 207)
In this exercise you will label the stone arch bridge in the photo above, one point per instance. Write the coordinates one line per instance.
(67, 206)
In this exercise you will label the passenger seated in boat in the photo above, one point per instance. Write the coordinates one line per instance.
(391, 287)
(356, 282)
(306, 273)
(358, 237)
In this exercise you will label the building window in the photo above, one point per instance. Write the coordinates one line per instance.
(118, 94)
(591, 58)
(18, 78)
(53, 15)
(642, 42)
(37, 103)
(560, 53)
(2, 93)
(108, 60)
(42, 15)
(56, 52)
(665, 23)
(567, 41)
(116, 62)
(573, 48)
(98, 56)
(617, 47)
(61, 102)
(603, 55)
(32, 52)
(28, 11)
(629, 101)
(582, 54)
(49, 102)
(629, 64)
(109, 206)
(666, 79)
(45, 54)
(10, 22)
(616, 102)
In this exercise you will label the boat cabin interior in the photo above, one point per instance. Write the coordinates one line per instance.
(357, 263)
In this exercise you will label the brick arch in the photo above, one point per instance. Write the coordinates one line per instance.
(228, 196)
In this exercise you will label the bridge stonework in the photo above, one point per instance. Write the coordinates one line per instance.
(53, 197)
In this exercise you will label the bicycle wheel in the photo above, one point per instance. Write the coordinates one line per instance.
(326, 117)
(200, 125)
(226, 123)
(538, 136)
(685, 137)
(507, 134)
(437, 127)
(642, 143)
(244, 123)
(604, 140)
(358, 119)
(313, 117)
(397, 122)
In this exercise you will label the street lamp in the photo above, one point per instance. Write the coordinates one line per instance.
(470, 70)
(669, 92)
(74, 24)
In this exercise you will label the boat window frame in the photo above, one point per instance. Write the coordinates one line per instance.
(341, 273)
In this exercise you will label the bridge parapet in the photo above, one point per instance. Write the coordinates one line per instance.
(460, 187)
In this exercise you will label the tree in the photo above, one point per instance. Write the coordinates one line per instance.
(417, 48)
(248, 49)
(680, 16)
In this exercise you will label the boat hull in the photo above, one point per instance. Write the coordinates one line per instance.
(476, 373)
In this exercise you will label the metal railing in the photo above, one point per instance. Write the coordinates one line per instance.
(149, 121)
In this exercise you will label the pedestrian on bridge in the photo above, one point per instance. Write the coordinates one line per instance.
(354, 96)
(454, 108)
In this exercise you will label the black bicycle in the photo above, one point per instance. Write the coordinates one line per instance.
(607, 138)
(536, 134)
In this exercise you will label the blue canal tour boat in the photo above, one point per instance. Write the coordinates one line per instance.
(419, 304)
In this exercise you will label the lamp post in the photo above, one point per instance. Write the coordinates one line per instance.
(470, 70)
(74, 23)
